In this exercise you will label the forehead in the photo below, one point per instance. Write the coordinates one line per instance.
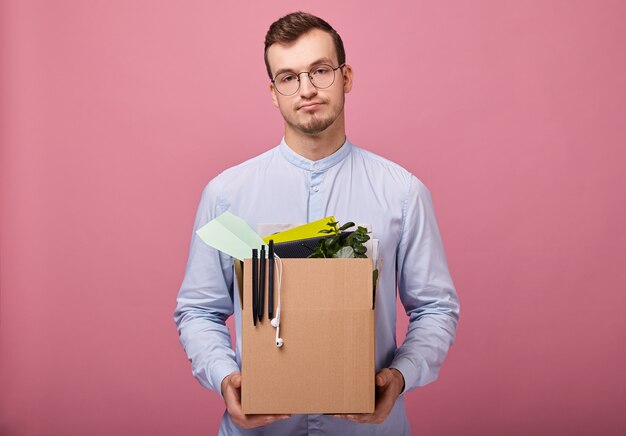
(298, 56)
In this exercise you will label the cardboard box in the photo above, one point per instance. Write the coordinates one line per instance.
(326, 364)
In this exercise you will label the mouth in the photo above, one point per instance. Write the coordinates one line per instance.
(310, 106)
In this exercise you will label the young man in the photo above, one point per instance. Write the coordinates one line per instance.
(313, 173)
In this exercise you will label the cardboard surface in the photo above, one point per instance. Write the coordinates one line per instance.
(326, 364)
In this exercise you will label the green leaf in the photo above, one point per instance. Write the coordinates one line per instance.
(344, 252)
(346, 226)
(335, 245)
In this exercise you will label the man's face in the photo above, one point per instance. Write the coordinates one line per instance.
(310, 110)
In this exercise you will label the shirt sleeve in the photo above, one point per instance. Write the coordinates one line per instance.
(426, 291)
(205, 302)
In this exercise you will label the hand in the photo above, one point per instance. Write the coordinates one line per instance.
(231, 391)
(389, 386)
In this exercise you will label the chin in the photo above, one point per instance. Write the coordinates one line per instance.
(315, 128)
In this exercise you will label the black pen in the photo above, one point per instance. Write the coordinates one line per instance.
(270, 282)
(255, 283)
(262, 284)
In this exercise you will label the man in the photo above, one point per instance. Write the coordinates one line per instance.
(313, 173)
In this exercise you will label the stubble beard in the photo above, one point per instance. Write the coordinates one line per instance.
(315, 125)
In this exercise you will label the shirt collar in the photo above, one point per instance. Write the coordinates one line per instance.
(315, 165)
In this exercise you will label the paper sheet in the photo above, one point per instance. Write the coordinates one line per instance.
(230, 234)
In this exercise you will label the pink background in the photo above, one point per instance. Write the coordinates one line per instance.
(115, 114)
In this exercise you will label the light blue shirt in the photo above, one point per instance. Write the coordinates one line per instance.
(280, 186)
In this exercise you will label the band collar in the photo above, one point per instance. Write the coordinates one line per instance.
(315, 165)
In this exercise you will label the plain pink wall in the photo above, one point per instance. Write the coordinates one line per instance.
(115, 114)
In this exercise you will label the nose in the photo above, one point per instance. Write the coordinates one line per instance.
(307, 89)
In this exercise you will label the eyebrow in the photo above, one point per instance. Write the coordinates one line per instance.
(323, 60)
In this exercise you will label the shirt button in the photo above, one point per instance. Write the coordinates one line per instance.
(316, 166)
(316, 189)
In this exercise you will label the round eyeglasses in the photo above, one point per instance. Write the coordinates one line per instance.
(321, 76)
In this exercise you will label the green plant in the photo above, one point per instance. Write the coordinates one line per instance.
(341, 246)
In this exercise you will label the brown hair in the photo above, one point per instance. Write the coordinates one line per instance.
(291, 27)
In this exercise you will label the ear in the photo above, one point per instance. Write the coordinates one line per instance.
(274, 96)
(347, 78)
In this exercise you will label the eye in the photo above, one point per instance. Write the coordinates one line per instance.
(286, 78)
(320, 70)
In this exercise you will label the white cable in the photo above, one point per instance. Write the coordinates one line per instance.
(279, 274)
(276, 321)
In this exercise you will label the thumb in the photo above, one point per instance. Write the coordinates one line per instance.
(382, 378)
(235, 380)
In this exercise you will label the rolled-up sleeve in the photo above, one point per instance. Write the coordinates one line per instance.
(426, 291)
(205, 302)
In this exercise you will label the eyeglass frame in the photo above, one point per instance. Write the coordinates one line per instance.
(308, 73)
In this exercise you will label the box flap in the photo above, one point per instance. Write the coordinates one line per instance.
(327, 283)
(238, 267)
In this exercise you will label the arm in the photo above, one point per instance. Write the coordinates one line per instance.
(428, 294)
(426, 291)
(204, 303)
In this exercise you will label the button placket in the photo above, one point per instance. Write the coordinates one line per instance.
(316, 181)
(315, 199)
(314, 425)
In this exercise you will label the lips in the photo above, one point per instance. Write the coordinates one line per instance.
(310, 105)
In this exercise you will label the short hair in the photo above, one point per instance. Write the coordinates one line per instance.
(292, 26)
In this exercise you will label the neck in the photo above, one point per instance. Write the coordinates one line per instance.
(319, 145)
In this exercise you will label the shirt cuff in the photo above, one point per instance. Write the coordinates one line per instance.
(220, 373)
(408, 370)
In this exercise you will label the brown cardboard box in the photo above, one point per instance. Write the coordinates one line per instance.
(326, 364)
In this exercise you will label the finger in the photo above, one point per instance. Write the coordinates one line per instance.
(361, 418)
(369, 418)
(272, 417)
(383, 377)
(252, 421)
(347, 417)
(232, 398)
(233, 405)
